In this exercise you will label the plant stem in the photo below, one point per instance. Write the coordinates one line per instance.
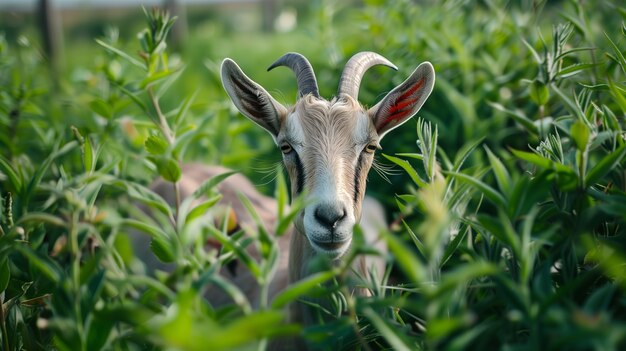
(351, 306)
(75, 252)
(5, 338)
(177, 197)
(162, 121)
(169, 136)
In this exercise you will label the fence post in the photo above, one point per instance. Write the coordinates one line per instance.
(268, 11)
(49, 19)
(179, 30)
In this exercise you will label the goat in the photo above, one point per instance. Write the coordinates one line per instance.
(328, 148)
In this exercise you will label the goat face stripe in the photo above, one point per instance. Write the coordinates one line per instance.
(357, 178)
(299, 173)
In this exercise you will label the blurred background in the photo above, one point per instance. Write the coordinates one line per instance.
(519, 248)
(479, 50)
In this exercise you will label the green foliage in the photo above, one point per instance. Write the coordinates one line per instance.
(508, 230)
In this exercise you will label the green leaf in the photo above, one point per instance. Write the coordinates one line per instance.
(401, 206)
(211, 183)
(391, 334)
(121, 54)
(502, 228)
(184, 108)
(146, 196)
(462, 340)
(41, 217)
(5, 275)
(427, 143)
(89, 156)
(542, 162)
(460, 102)
(187, 329)
(502, 175)
(300, 288)
(621, 60)
(605, 165)
(155, 77)
(599, 300)
(43, 168)
(440, 328)
(465, 151)
(410, 265)
(94, 286)
(534, 52)
(411, 155)
(99, 332)
(618, 94)
(574, 69)
(571, 51)
(238, 297)
(101, 108)
(11, 173)
(268, 244)
(421, 249)
(286, 220)
(452, 246)
(202, 208)
(535, 159)
(580, 134)
(156, 145)
(168, 82)
(43, 263)
(527, 192)
(609, 257)
(168, 168)
(462, 275)
(153, 231)
(162, 249)
(136, 100)
(408, 169)
(487, 190)
(238, 250)
(571, 105)
(518, 116)
(539, 92)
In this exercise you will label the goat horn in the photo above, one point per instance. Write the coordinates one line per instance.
(307, 84)
(355, 69)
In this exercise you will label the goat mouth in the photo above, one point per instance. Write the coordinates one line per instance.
(329, 246)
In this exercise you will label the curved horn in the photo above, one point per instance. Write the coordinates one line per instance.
(307, 84)
(355, 69)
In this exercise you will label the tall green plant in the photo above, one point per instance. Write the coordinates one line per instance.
(509, 231)
(541, 236)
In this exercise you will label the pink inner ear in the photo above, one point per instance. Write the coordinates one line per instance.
(403, 104)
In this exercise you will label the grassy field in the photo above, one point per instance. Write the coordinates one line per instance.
(507, 198)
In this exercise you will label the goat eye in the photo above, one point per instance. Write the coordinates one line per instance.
(286, 148)
(371, 148)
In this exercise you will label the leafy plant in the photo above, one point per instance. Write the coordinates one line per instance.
(507, 231)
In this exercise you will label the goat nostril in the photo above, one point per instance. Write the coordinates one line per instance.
(329, 216)
(343, 214)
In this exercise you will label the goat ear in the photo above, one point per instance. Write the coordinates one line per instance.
(251, 99)
(403, 101)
